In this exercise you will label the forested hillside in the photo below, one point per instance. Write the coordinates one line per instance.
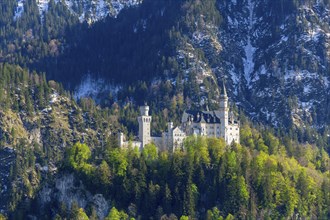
(38, 121)
(270, 175)
(73, 73)
(258, 179)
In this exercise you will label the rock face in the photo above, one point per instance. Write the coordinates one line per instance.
(7, 158)
(273, 55)
(282, 71)
(67, 190)
(33, 144)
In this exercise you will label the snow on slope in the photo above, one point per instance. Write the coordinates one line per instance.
(19, 9)
(249, 49)
(118, 5)
(92, 10)
(90, 87)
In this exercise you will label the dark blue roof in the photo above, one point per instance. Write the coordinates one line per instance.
(209, 117)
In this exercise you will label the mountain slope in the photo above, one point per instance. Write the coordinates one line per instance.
(273, 56)
(85, 10)
(38, 121)
(45, 175)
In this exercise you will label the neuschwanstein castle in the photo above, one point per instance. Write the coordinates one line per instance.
(218, 124)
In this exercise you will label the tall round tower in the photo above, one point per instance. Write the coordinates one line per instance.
(223, 111)
(144, 125)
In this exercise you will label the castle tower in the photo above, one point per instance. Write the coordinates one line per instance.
(169, 126)
(121, 139)
(223, 112)
(144, 125)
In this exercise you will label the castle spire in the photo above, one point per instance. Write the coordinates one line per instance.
(223, 111)
(223, 90)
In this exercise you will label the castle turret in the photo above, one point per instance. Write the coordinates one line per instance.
(223, 111)
(121, 139)
(144, 125)
(169, 126)
(144, 110)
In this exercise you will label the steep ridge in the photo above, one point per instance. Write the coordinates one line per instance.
(7, 157)
(38, 121)
(274, 56)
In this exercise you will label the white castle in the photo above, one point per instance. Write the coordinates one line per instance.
(218, 124)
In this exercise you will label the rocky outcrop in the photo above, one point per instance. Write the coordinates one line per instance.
(68, 189)
(7, 160)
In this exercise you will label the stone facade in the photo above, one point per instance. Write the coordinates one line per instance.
(218, 124)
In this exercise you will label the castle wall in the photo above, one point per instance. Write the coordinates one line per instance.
(158, 141)
(207, 123)
(132, 144)
(178, 138)
(232, 134)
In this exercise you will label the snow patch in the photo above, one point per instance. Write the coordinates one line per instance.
(307, 89)
(306, 106)
(117, 6)
(303, 75)
(95, 10)
(234, 76)
(43, 7)
(262, 71)
(270, 116)
(325, 82)
(19, 9)
(249, 49)
(232, 22)
(53, 98)
(284, 38)
(102, 9)
(91, 87)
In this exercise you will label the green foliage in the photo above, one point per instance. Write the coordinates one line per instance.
(76, 213)
(197, 149)
(233, 176)
(78, 155)
(114, 214)
(82, 215)
(213, 214)
(229, 217)
(103, 173)
(150, 152)
(184, 217)
(117, 161)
